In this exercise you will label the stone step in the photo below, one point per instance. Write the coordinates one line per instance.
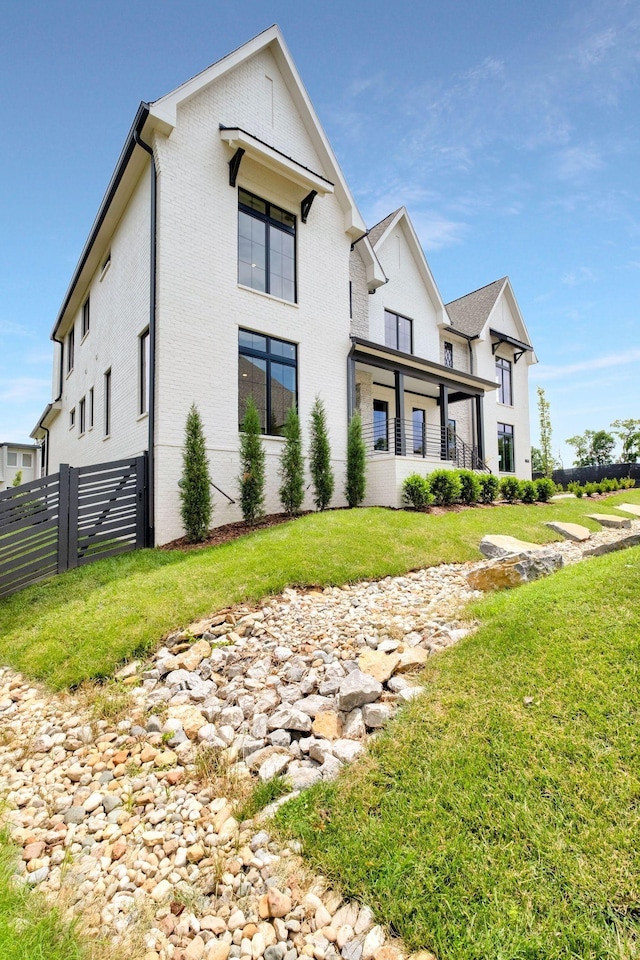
(609, 520)
(500, 545)
(633, 508)
(570, 531)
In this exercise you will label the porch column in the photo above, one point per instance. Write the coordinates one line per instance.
(400, 432)
(444, 422)
(480, 427)
(351, 387)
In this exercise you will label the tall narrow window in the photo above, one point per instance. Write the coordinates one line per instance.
(503, 376)
(90, 408)
(398, 332)
(380, 425)
(86, 311)
(267, 371)
(82, 415)
(419, 435)
(143, 399)
(448, 354)
(451, 439)
(107, 403)
(266, 247)
(506, 452)
(71, 344)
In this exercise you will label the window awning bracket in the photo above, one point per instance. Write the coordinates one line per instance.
(234, 166)
(305, 205)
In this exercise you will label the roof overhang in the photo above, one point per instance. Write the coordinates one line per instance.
(47, 417)
(379, 356)
(520, 347)
(376, 276)
(275, 160)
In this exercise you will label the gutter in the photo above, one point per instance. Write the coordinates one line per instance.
(152, 337)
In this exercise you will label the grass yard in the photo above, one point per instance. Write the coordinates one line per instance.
(482, 827)
(29, 929)
(82, 624)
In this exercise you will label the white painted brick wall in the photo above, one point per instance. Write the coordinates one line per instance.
(359, 295)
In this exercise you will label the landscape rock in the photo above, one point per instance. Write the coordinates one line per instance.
(570, 531)
(515, 569)
(357, 689)
(609, 520)
(500, 545)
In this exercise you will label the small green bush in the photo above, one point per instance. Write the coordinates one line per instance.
(469, 486)
(626, 483)
(545, 489)
(489, 487)
(416, 492)
(528, 491)
(510, 489)
(591, 489)
(445, 487)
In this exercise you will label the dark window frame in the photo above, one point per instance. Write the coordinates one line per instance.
(86, 317)
(271, 223)
(398, 318)
(504, 375)
(269, 357)
(91, 408)
(107, 403)
(71, 349)
(144, 346)
(448, 354)
(506, 443)
(381, 425)
(420, 424)
(82, 415)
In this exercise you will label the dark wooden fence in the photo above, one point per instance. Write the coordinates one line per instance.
(605, 471)
(71, 518)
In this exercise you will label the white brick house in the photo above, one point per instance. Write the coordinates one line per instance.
(228, 257)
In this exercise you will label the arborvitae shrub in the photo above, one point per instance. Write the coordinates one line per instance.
(469, 486)
(545, 488)
(195, 483)
(292, 465)
(528, 491)
(322, 477)
(489, 487)
(252, 470)
(416, 492)
(445, 487)
(356, 482)
(510, 489)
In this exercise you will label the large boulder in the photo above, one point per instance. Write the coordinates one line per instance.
(514, 569)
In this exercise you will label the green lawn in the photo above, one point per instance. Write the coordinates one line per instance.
(81, 624)
(29, 929)
(482, 827)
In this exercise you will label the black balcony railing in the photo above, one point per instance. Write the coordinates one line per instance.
(406, 438)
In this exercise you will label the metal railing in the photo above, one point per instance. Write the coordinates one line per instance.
(405, 438)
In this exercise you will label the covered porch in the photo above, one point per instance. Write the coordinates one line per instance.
(417, 415)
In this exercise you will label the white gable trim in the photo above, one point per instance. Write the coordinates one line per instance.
(164, 111)
(403, 219)
(507, 292)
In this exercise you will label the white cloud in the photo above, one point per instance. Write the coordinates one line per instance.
(578, 162)
(550, 372)
(581, 275)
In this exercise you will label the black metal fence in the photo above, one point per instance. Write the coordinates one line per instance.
(71, 518)
(420, 439)
(605, 471)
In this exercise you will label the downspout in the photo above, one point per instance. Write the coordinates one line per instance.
(152, 338)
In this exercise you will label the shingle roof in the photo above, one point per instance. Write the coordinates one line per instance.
(376, 232)
(469, 314)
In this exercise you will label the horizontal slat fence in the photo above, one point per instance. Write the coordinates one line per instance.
(71, 518)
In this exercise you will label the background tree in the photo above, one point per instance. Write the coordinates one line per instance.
(17, 480)
(322, 478)
(546, 451)
(356, 482)
(536, 460)
(629, 433)
(195, 488)
(593, 447)
(292, 465)
(252, 465)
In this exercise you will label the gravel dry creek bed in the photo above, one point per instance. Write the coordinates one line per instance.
(115, 825)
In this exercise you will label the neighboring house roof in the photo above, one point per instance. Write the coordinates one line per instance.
(20, 446)
(469, 314)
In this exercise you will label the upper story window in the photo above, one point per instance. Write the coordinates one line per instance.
(503, 376)
(398, 332)
(12, 458)
(267, 371)
(71, 348)
(448, 354)
(26, 459)
(86, 311)
(143, 380)
(266, 247)
(82, 415)
(107, 403)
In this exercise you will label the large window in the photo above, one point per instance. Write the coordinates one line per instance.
(506, 452)
(143, 399)
(398, 332)
(267, 372)
(266, 247)
(503, 376)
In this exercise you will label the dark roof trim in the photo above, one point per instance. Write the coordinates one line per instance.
(413, 365)
(114, 183)
(279, 152)
(504, 338)
(460, 333)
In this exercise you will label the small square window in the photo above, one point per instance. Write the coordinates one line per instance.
(26, 459)
(12, 458)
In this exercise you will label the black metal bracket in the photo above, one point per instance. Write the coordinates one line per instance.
(234, 166)
(518, 354)
(305, 206)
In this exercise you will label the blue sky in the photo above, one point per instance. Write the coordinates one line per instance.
(510, 131)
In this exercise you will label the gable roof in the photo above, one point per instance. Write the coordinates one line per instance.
(470, 313)
(376, 232)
